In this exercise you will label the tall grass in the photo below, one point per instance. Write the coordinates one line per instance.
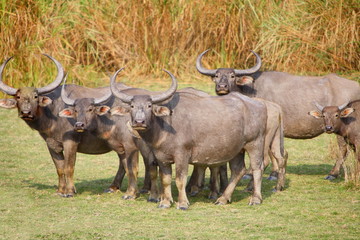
(298, 36)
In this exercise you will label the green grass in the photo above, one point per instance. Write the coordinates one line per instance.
(309, 208)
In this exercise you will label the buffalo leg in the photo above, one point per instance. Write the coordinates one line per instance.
(131, 163)
(70, 149)
(58, 159)
(116, 184)
(335, 171)
(181, 177)
(196, 181)
(166, 197)
(256, 155)
(238, 170)
(214, 182)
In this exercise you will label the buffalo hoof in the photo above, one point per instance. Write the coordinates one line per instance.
(194, 193)
(144, 191)
(153, 200)
(255, 201)
(212, 197)
(247, 177)
(182, 208)
(127, 197)
(68, 195)
(163, 206)
(222, 201)
(272, 178)
(111, 190)
(249, 189)
(330, 177)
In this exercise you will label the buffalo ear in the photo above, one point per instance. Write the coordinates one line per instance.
(120, 110)
(240, 81)
(66, 113)
(315, 114)
(346, 112)
(44, 101)
(102, 110)
(161, 111)
(8, 103)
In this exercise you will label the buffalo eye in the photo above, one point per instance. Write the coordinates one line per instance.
(217, 75)
(90, 109)
(132, 106)
(149, 105)
(232, 76)
(337, 115)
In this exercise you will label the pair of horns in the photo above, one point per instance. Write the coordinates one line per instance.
(320, 107)
(238, 72)
(154, 98)
(12, 91)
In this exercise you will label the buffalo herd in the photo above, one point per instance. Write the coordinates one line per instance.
(252, 113)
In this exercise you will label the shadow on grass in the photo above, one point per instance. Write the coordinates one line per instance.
(97, 186)
(307, 169)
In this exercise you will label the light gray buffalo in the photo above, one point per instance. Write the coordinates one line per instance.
(40, 107)
(295, 95)
(343, 120)
(186, 128)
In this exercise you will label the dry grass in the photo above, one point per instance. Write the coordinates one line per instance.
(145, 36)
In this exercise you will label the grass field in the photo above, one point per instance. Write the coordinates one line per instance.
(309, 208)
(93, 40)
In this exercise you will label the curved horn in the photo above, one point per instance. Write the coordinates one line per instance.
(3, 87)
(122, 96)
(318, 106)
(200, 67)
(58, 79)
(64, 96)
(250, 70)
(341, 107)
(167, 94)
(103, 98)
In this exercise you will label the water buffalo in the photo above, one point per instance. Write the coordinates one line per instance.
(39, 108)
(343, 120)
(185, 128)
(274, 143)
(294, 94)
(91, 115)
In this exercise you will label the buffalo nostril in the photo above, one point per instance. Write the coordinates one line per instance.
(328, 128)
(79, 124)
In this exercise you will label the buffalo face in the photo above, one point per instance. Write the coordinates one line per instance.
(28, 103)
(29, 100)
(332, 116)
(84, 112)
(142, 112)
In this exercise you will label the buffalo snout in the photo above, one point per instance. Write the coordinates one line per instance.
(329, 129)
(79, 127)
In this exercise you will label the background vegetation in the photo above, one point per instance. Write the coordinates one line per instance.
(92, 39)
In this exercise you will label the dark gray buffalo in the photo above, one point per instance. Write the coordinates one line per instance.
(186, 128)
(343, 120)
(295, 95)
(91, 115)
(39, 108)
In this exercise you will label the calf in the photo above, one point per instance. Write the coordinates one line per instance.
(343, 120)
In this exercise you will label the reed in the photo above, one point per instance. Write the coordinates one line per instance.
(94, 38)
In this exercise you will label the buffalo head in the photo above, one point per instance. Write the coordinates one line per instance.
(227, 79)
(142, 108)
(83, 110)
(29, 99)
(332, 115)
